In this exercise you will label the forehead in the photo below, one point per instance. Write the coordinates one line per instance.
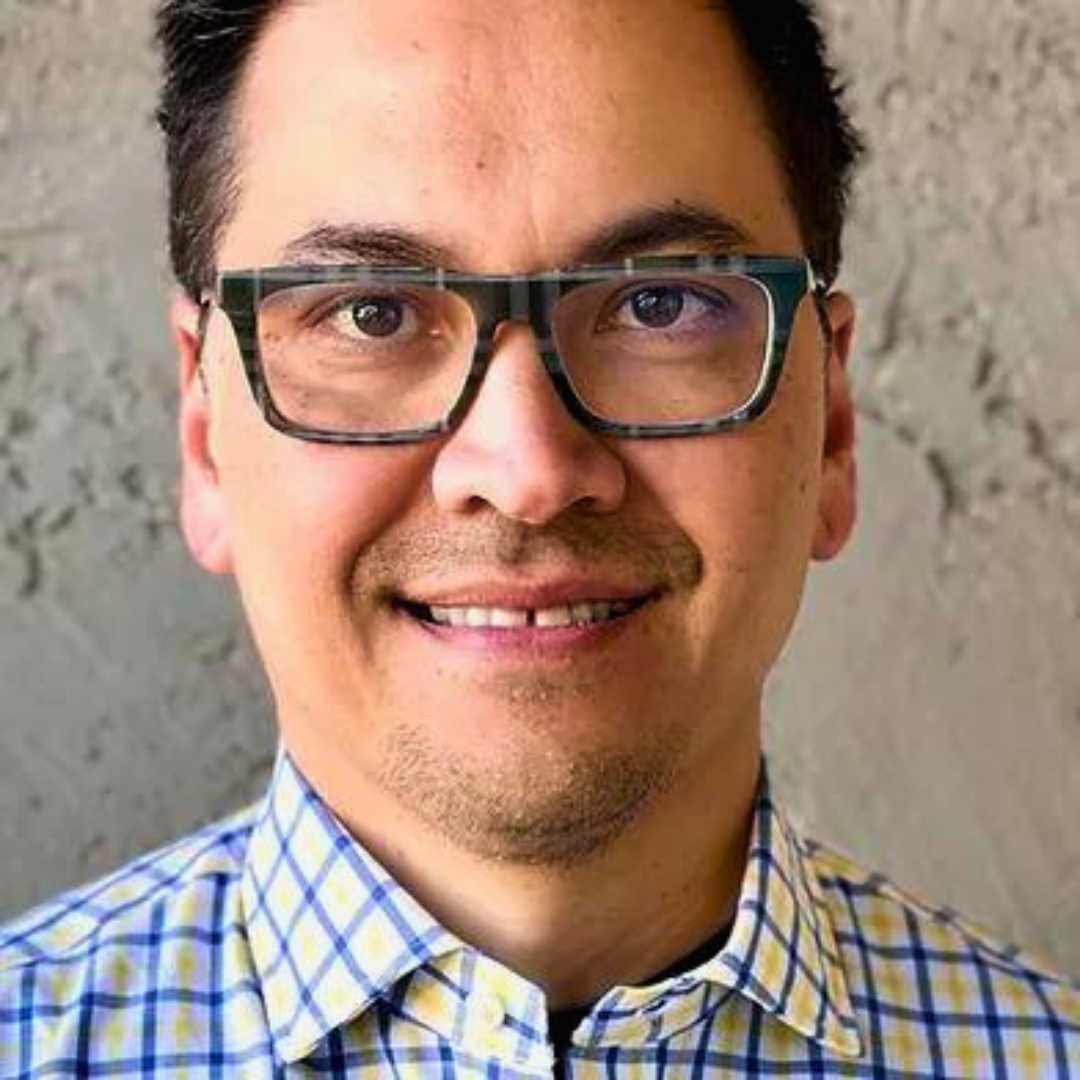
(506, 130)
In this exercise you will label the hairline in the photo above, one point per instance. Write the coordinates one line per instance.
(228, 170)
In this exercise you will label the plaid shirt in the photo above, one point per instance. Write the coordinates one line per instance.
(272, 945)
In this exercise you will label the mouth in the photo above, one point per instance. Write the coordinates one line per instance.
(509, 618)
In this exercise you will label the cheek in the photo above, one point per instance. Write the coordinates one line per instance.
(747, 505)
(748, 501)
(747, 497)
(300, 514)
(780, 497)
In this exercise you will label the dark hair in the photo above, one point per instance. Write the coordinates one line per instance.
(206, 44)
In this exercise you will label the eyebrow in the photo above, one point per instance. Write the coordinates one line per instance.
(652, 228)
(354, 243)
(638, 232)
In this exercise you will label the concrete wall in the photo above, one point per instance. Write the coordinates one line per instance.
(928, 714)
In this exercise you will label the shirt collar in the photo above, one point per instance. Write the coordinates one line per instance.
(782, 952)
(331, 931)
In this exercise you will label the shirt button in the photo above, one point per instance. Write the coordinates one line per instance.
(485, 1011)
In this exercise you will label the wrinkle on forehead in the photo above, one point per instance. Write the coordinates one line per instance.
(500, 89)
(512, 121)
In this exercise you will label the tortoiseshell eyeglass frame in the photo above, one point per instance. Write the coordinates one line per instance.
(528, 298)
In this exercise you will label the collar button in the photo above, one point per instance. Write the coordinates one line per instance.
(485, 1012)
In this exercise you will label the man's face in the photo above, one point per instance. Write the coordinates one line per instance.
(512, 142)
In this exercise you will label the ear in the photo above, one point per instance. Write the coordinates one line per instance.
(202, 509)
(838, 499)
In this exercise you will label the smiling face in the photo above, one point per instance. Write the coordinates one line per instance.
(512, 146)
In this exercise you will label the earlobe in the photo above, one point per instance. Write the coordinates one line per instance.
(838, 499)
(202, 508)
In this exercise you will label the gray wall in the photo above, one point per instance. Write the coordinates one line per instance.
(927, 716)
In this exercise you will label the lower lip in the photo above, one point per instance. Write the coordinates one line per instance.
(529, 641)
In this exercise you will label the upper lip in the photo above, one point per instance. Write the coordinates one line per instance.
(536, 595)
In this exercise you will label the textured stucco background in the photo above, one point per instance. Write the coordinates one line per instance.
(927, 716)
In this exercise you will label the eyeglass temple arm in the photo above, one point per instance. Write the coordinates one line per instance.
(819, 289)
(206, 307)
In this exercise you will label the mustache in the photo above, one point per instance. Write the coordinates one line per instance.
(656, 554)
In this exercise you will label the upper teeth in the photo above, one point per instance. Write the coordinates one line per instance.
(507, 619)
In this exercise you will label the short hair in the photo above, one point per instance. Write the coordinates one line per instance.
(206, 44)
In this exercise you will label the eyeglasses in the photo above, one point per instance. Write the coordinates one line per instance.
(650, 348)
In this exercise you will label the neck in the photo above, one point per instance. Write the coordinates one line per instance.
(660, 889)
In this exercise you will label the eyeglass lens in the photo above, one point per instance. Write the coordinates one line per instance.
(382, 356)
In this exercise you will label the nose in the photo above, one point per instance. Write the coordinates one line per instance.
(519, 450)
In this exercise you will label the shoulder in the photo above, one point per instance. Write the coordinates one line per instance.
(931, 985)
(112, 940)
(164, 882)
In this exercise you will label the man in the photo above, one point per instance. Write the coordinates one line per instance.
(514, 398)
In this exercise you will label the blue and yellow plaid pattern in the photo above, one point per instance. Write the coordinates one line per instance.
(272, 945)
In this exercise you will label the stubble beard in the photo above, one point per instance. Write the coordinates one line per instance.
(541, 798)
(542, 804)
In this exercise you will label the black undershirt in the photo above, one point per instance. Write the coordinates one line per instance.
(561, 1024)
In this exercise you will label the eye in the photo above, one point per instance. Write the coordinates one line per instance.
(658, 307)
(373, 317)
(665, 307)
(363, 319)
